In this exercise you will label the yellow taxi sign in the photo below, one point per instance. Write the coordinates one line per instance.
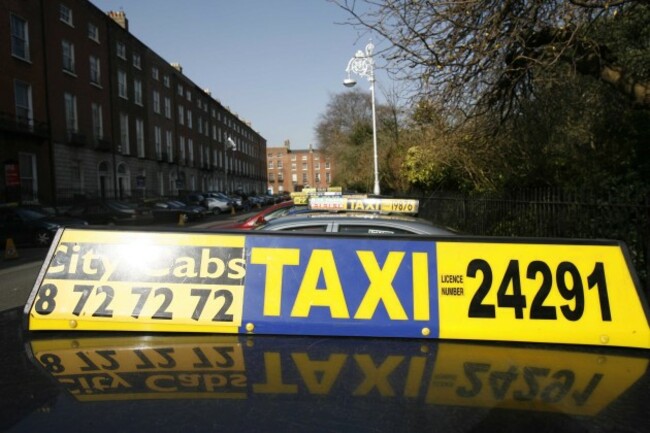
(556, 291)
(365, 204)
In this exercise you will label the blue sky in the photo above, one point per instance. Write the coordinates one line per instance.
(273, 62)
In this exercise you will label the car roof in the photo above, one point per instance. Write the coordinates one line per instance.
(401, 222)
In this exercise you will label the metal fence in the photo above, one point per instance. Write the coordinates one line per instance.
(549, 213)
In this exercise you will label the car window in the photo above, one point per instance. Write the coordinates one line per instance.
(277, 213)
(372, 230)
(305, 229)
(30, 214)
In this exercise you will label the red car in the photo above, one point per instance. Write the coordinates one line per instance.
(271, 212)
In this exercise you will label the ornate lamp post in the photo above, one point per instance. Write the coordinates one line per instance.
(363, 65)
(233, 146)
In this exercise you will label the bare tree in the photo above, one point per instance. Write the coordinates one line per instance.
(477, 55)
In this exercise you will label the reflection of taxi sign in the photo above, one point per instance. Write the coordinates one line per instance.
(160, 367)
(303, 197)
(378, 205)
(556, 291)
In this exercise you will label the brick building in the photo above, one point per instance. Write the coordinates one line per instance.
(292, 170)
(87, 109)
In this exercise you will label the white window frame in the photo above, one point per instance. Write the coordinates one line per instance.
(98, 121)
(95, 71)
(65, 15)
(67, 53)
(137, 91)
(120, 50)
(124, 133)
(169, 143)
(156, 102)
(26, 106)
(168, 107)
(19, 37)
(93, 32)
(122, 88)
(71, 119)
(139, 137)
(157, 139)
(137, 61)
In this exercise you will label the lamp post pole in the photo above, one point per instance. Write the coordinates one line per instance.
(363, 65)
(232, 145)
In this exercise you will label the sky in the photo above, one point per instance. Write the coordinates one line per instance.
(275, 63)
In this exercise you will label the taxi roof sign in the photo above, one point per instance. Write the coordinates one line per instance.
(365, 204)
(552, 291)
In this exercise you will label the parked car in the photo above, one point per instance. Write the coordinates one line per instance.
(111, 212)
(354, 222)
(31, 225)
(216, 205)
(169, 211)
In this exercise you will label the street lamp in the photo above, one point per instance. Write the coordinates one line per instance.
(363, 65)
(232, 145)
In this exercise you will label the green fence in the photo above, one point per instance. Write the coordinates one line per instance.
(548, 213)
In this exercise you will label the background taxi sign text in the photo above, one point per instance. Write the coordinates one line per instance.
(457, 288)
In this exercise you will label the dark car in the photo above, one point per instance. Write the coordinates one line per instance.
(111, 212)
(170, 211)
(31, 225)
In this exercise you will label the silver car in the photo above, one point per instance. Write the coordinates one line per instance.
(354, 223)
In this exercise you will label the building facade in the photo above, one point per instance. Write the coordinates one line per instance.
(292, 170)
(89, 110)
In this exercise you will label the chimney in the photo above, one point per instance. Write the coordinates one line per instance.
(287, 144)
(178, 67)
(120, 18)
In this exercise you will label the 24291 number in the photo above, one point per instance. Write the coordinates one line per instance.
(566, 279)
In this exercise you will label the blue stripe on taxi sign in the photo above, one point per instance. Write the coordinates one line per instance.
(340, 286)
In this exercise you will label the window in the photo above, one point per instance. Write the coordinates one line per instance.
(139, 137)
(188, 95)
(121, 50)
(65, 15)
(121, 85)
(93, 32)
(166, 80)
(154, 73)
(304, 166)
(190, 150)
(293, 166)
(316, 165)
(271, 177)
(317, 177)
(180, 90)
(327, 178)
(70, 102)
(28, 176)
(270, 164)
(98, 122)
(181, 115)
(280, 164)
(23, 95)
(181, 148)
(156, 102)
(157, 139)
(68, 55)
(327, 165)
(95, 74)
(168, 108)
(294, 178)
(304, 178)
(189, 118)
(124, 133)
(304, 157)
(170, 145)
(137, 60)
(200, 124)
(19, 37)
(137, 91)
